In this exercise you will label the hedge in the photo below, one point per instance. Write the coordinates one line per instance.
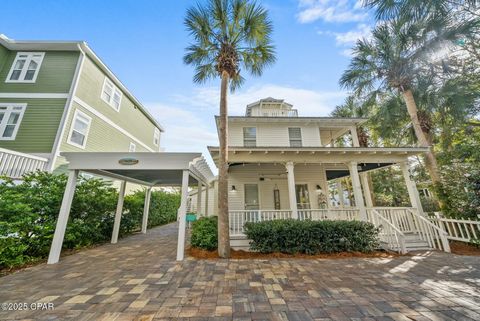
(204, 233)
(29, 210)
(311, 237)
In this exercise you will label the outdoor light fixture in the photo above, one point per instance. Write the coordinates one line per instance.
(128, 161)
(233, 188)
(319, 188)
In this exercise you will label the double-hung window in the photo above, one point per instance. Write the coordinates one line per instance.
(111, 94)
(25, 67)
(10, 117)
(156, 137)
(249, 136)
(79, 129)
(295, 136)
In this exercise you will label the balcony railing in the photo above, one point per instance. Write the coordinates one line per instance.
(14, 164)
(274, 113)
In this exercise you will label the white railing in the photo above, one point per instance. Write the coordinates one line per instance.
(459, 230)
(14, 164)
(271, 112)
(390, 236)
(429, 232)
(401, 217)
(346, 214)
(238, 219)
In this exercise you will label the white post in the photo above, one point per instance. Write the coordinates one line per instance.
(199, 199)
(118, 213)
(366, 189)
(355, 141)
(62, 220)
(146, 209)
(291, 189)
(357, 190)
(341, 201)
(206, 199)
(412, 189)
(182, 211)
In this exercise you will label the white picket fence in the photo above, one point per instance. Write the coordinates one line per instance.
(459, 230)
(14, 164)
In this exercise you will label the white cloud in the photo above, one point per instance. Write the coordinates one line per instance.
(330, 11)
(350, 37)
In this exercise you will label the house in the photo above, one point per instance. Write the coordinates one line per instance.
(281, 166)
(58, 96)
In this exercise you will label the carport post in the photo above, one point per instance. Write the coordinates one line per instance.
(199, 199)
(207, 187)
(182, 217)
(118, 213)
(62, 220)
(146, 209)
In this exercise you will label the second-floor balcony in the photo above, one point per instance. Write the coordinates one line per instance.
(273, 112)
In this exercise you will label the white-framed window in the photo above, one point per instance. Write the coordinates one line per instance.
(156, 136)
(132, 147)
(295, 136)
(249, 136)
(10, 118)
(79, 129)
(111, 94)
(25, 67)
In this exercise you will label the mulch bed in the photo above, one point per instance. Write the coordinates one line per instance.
(204, 254)
(462, 248)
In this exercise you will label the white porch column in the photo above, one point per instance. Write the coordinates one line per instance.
(366, 189)
(291, 189)
(118, 213)
(357, 190)
(355, 141)
(199, 199)
(412, 189)
(206, 199)
(62, 220)
(146, 209)
(182, 211)
(341, 201)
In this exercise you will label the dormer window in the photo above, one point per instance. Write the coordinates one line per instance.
(25, 67)
(111, 94)
(295, 136)
(249, 136)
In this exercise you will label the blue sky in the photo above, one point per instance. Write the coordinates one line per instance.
(143, 42)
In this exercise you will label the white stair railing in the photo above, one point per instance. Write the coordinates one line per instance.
(389, 234)
(14, 164)
(429, 232)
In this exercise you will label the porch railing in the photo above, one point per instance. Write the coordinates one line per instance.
(238, 219)
(14, 164)
(458, 230)
(347, 214)
(391, 237)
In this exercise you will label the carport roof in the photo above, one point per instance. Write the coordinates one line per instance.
(151, 169)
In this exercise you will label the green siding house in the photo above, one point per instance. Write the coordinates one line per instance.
(58, 97)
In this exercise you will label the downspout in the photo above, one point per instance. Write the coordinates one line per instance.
(66, 112)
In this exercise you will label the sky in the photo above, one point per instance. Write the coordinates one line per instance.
(143, 42)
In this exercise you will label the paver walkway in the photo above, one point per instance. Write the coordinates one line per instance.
(138, 279)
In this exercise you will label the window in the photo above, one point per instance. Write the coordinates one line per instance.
(79, 129)
(303, 199)
(252, 201)
(156, 137)
(132, 148)
(295, 136)
(249, 136)
(111, 94)
(25, 67)
(10, 117)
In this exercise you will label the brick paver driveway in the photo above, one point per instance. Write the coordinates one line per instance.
(138, 279)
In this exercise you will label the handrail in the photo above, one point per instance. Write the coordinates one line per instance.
(14, 164)
(431, 236)
(13, 152)
(458, 230)
(399, 236)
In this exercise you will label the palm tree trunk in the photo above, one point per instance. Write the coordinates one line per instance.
(430, 159)
(223, 225)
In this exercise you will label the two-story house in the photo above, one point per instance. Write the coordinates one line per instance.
(58, 97)
(281, 166)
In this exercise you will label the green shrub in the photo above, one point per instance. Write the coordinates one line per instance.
(311, 237)
(204, 233)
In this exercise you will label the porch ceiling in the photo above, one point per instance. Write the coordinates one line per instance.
(373, 155)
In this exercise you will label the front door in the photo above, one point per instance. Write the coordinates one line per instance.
(251, 197)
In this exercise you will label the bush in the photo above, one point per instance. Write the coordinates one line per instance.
(204, 233)
(311, 237)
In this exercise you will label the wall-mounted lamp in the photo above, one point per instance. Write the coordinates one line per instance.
(233, 188)
(319, 188)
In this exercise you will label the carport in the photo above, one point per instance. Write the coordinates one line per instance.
(147, 169)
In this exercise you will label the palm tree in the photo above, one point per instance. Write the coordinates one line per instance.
(228, 35)
(398, 53)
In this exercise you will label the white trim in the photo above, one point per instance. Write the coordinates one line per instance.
(68, 108)
(115, 90)
(132, 147)
(82, 114)
(34, 95)
(109, 121)
(28, 59)
(156, 132)
(7, 116)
